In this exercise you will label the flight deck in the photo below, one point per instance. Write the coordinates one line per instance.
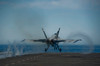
(53, 59)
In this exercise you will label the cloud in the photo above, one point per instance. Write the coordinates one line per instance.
(52, 4)
(71, 4)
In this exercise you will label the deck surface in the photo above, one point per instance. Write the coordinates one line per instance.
(53, 59)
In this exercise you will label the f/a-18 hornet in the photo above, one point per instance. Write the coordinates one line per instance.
(54, 41)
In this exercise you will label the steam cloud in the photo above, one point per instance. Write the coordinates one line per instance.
(29, 25)
(87, 42)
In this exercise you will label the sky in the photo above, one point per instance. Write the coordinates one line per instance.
(23, 19)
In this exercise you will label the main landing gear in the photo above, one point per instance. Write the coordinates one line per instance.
(46, 49)
(60, 49)
(56, 46)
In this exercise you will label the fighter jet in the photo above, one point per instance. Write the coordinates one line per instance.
(54, 41)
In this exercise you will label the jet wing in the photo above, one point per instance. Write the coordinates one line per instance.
(68, 40)
(38, 40)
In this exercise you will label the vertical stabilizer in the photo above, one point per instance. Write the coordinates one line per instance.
(57, 34)
(44, 33)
